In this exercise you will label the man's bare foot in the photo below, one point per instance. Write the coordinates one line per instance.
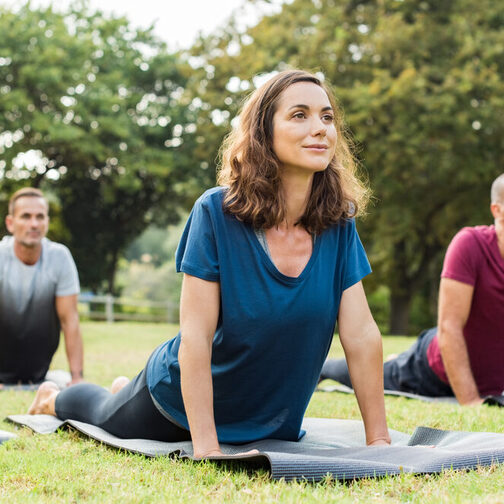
(119, 383)
(43, 404)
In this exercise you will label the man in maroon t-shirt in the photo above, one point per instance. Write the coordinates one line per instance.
(464, 355)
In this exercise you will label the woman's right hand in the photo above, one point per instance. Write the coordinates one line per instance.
(218, 453)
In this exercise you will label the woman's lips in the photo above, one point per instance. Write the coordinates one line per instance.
(317, 147)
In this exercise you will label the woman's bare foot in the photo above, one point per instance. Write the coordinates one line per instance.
(119, 383)
(43, 404)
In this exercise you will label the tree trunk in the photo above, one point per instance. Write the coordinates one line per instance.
(401, 291)
(112, 272)
(399, 313)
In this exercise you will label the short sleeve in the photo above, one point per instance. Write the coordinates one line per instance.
(460, 262)
(68, 278)
(357, 264)
(197, 250)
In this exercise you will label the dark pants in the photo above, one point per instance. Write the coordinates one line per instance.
(408, 372)
(128, 414)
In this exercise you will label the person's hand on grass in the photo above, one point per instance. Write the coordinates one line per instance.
(474, 402)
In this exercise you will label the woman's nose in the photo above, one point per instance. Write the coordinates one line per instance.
(319, 128)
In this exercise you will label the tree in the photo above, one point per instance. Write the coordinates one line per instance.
(422, 86)
(99, 108)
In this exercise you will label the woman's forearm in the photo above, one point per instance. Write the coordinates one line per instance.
(197, 393)
(361, 341)
(365, 364)
(199, 312)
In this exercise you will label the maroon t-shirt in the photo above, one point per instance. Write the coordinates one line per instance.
(473, 257)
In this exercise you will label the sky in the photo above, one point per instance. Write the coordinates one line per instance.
(177, 22)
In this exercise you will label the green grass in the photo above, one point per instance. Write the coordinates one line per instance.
(65, 467)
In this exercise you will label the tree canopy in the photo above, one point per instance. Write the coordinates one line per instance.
(91, 110)
(124, 134)
(421, 83)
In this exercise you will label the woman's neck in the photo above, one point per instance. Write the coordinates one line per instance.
(296, 191)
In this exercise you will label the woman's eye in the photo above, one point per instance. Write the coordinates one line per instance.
(328, 118)
(299, 115)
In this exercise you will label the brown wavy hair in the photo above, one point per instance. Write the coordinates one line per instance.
(252, 171)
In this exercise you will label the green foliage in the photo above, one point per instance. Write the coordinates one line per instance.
(65, 467)
(148, 269)
(379, 302)
(129, 134)
(140, 281)
(150, 244)
(159, 244)
(99, 105)
(422, 87)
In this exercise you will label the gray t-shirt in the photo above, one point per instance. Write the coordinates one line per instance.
(29, 324)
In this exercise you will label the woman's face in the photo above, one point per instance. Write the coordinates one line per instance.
(304, 133)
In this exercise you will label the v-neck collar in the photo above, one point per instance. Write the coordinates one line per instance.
(270, 265)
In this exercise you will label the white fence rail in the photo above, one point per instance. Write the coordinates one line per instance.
(114, 309)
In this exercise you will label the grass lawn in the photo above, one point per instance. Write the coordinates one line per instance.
(64, 467)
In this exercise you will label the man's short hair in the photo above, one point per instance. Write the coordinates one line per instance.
(31, 192)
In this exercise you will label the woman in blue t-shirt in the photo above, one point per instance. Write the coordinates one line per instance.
(271, 261)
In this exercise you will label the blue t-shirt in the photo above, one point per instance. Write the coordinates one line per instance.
(273, 332)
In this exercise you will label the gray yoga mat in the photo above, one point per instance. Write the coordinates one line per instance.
(58, 376)
(30, 387)
(335, 447)
(347, 390)
(5, 436)
(493, 400)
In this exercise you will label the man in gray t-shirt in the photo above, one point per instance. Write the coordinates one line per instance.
(39, 286)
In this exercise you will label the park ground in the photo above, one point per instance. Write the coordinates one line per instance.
(65, 467)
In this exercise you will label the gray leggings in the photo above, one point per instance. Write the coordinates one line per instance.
(129, 414)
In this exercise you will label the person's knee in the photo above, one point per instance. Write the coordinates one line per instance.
(336, 369)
